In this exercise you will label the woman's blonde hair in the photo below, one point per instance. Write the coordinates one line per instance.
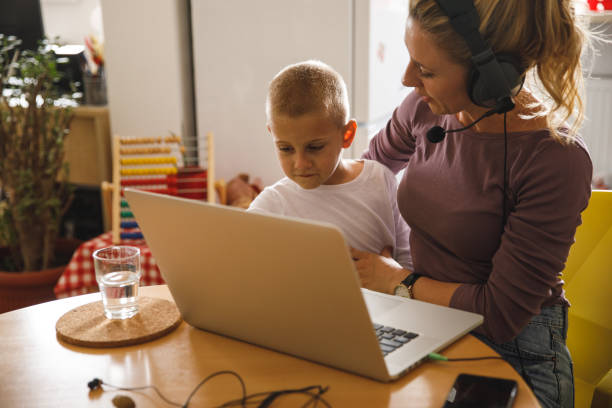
(543, 36)
(306, 87)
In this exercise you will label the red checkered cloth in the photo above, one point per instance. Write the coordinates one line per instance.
(80, 277)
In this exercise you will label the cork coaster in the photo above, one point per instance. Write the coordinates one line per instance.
(87, 326)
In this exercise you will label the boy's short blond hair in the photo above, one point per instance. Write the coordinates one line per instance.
(306, 87)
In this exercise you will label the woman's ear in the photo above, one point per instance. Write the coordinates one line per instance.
(349, 133)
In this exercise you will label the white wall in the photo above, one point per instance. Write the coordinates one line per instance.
(147, 67)
(238, 48)
(596, 128)
(71, 20)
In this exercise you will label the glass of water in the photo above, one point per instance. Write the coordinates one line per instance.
(118, 275)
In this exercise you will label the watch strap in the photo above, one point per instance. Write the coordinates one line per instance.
(410, 279)
(409, 283)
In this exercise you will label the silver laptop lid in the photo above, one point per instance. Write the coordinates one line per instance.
(282, 283)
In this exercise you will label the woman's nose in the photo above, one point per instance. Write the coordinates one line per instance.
(410, 78)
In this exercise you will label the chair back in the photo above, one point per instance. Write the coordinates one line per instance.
(588, 286)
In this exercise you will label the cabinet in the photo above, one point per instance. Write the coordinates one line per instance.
(88, 151)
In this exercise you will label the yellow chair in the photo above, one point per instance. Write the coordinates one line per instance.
(588, 286)
(602, 398)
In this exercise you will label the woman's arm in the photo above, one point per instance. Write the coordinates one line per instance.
(550, 187)
(382, 274)
(394, 144)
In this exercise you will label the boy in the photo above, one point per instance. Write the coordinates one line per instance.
(308, 116)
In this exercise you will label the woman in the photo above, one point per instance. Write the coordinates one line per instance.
(493, 209)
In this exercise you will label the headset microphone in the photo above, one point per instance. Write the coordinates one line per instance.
(437, 133)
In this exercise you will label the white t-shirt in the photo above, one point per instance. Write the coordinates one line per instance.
(364, 209)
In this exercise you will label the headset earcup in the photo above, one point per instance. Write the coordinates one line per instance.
(472, 83)
(479, 87)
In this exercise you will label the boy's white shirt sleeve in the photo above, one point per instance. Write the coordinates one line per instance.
(269, 201)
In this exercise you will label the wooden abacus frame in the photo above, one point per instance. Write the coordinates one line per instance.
(115, 185)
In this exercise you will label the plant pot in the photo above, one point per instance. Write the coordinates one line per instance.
(22, 289)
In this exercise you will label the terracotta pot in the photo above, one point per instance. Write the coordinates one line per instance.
(22, 289)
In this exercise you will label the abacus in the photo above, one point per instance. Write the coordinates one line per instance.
(154, 164)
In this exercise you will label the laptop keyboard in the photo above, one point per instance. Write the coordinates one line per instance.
(390, 338)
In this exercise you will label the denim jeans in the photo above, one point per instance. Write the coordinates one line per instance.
(542, 357)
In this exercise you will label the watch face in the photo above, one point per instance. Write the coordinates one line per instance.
(401, 290)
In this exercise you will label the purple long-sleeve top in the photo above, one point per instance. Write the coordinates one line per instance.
(451, 196)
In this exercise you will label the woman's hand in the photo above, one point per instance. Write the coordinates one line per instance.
(378, 272)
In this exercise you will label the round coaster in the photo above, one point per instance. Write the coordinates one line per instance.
(88, 327)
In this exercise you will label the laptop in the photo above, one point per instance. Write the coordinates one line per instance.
(288, 285)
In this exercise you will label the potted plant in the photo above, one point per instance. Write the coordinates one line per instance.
(33, 177)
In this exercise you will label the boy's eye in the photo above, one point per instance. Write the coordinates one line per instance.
(285, 149)
(315, 147)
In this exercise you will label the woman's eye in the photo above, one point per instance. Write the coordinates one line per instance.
(285, 149)
(423, 73)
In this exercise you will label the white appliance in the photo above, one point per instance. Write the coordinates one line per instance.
(238, 47)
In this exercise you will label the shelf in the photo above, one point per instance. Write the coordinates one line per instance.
(583, 10)
(598, 16)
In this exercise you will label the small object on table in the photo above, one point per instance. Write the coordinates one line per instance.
(123, 401)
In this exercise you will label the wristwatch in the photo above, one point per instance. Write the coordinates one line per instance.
(404, 289)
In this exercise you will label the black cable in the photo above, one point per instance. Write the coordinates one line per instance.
(272, 395)
(504, 206)
(100, 382)
(440, 357)
(475, 358)
(314, 391)
(504, 220)
(244, 396)
(314, 397)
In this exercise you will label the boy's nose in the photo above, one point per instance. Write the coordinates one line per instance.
(301, 161)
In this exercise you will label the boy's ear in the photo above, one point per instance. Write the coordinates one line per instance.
(349, 133)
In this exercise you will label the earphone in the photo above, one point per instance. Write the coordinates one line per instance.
(493, 79)
(263, 399)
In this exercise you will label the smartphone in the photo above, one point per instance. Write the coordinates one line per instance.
(478, 391)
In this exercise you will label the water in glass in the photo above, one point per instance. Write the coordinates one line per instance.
(119, 294)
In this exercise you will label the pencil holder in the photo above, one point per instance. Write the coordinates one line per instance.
(94, 87)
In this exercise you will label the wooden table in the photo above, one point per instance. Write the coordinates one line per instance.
(39, 371)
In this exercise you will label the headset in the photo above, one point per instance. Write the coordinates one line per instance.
(493, 79)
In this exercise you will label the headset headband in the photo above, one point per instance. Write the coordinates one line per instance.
(465, 21)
